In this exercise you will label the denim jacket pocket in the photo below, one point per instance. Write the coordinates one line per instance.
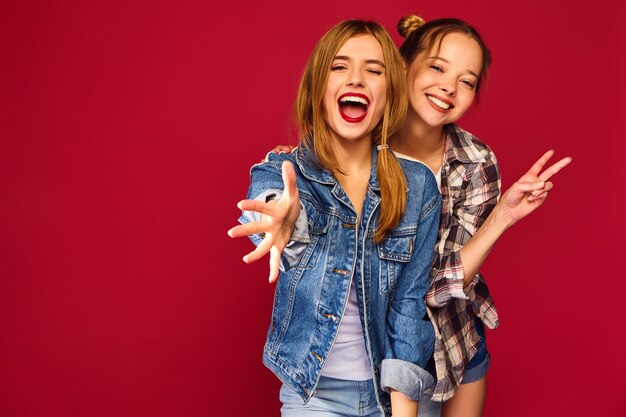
(393, 251)
(318, 226)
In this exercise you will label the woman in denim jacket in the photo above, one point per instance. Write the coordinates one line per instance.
(349, 333)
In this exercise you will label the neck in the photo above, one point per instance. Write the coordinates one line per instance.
(353, 156)
(355, 160)
(421, 141)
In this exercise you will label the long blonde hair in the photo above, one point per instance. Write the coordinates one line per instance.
(314, 130)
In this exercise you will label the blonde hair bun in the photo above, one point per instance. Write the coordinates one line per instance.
(409, 24)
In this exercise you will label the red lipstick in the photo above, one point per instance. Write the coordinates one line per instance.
(351, 119)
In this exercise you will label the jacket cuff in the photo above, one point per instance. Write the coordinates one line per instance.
(406, 377)
(446, 281)
(454, 276)
(469, 288)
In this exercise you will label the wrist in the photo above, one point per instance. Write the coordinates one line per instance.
(501, 218)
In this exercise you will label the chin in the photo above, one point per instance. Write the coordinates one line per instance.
(434, 121)
(352, 136)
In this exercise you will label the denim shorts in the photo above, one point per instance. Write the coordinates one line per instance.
(338, 397)
(478, 366)
(332, 398)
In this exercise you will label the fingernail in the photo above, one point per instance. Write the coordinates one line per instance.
(239, 205)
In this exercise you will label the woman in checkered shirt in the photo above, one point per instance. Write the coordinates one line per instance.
(446, 62)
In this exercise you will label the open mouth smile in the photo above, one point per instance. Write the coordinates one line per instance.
(439, 104)
(353, 107)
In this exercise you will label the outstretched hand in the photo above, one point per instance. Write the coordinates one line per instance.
(530, 191)
(278, 218)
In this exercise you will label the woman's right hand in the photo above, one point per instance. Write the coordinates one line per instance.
(283, 148)
(278, 218)
(278, 149)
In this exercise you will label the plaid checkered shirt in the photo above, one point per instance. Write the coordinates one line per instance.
(470, 188)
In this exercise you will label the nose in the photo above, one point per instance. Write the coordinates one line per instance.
(448, 86)
(355, 78)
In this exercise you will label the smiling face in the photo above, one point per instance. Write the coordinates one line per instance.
(442, 83)
(356, 90)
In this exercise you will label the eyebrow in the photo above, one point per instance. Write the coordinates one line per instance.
(445, 60)
(368, 61)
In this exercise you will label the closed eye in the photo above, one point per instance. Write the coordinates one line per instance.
(470, 84)
(436, 68)
(338, 67)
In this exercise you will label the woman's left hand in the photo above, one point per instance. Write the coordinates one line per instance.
(530, 191)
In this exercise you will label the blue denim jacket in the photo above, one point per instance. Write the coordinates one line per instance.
(391, 278)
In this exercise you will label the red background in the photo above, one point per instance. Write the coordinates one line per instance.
(127, 130)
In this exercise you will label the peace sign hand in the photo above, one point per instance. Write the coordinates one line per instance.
(531, 190)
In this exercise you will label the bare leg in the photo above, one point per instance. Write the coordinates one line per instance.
(468, 401)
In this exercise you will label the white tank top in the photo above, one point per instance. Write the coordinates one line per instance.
(348, 357)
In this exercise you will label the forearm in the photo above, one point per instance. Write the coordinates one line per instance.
(476, 250)
(402, 406)
(524, 196)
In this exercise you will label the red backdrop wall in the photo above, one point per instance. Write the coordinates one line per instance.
(127, 131)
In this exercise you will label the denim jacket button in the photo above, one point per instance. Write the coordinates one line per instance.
(331, 316)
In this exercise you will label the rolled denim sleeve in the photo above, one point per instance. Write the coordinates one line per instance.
(410, 379)
(411, 339)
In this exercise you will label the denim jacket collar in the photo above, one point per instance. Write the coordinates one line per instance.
(313, 171)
